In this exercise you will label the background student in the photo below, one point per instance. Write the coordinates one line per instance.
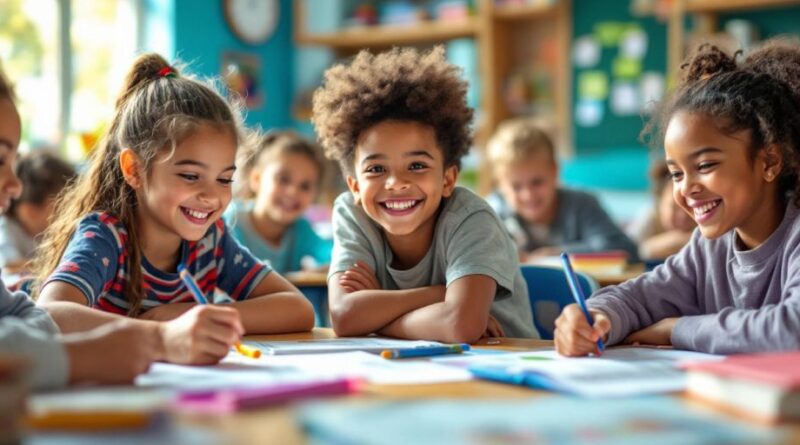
(281, 178)
(43, 175)
(666, 228)
(152, 199)
(542, 217)
(414, 256)
(731, 134)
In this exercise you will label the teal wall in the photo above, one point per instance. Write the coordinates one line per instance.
(201, 37)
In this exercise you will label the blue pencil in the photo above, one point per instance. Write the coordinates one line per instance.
(425, 351)
(577, 294)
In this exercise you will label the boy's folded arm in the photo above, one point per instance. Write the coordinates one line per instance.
(369, 310)
(68, 306)
(275, 306)
(460, 318)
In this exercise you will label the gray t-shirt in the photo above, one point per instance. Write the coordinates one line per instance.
(468, 239)
(729, 300)
(580, 225)
(29, 332)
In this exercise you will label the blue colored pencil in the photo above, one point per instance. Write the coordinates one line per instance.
(577, 294)
(425, 351)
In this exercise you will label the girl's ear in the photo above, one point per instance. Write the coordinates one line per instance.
(773, 162)
(450, 176)
(129, 164)
(352, 184)
(254, 180)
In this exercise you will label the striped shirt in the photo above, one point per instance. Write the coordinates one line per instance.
(95, 262)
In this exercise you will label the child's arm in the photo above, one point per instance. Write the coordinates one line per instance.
(275, 306)
(358, 306)
(461, 318)
(574, 337)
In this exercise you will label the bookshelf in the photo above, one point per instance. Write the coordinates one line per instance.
(508, 38)
(705, 14)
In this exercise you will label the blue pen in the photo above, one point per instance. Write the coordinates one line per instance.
(577, 293)
(425, 351)
(200, 298)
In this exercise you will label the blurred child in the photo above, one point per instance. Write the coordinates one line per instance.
(543, 218)
(43, 175)
(414, 256)
(281, 178)
(152, 199)
(114, 353)
(731, 134)
(667, 228)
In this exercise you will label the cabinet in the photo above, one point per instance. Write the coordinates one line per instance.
(521, 42)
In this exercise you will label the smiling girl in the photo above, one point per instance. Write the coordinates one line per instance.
(151, 200)
(731, 135)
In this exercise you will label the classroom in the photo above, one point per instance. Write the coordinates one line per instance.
(399, 221)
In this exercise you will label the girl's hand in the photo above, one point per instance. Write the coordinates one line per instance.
(359, 277)
(113, 353)
(574, 337)
(201, 336)
(493, 328)
(659, 334)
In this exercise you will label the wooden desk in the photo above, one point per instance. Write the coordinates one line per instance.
(277, 425)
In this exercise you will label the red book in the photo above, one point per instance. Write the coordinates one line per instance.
(762, 386)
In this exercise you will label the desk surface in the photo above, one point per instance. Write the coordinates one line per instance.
(277, 424)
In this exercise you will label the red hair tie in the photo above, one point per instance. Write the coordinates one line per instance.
(167, 71)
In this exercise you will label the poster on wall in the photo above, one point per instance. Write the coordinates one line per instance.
(242, 75)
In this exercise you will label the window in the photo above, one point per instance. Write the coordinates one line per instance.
(67, 59)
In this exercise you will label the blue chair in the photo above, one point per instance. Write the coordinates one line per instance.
(549, 292)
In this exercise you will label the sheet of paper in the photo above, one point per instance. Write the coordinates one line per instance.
(624, 371)
(315, 346)
(543, 421)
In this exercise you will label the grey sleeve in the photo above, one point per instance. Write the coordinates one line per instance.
(480, 246)
(598, 232)
(774, 327)
(353, 238)
(668, 291)
(28, 331)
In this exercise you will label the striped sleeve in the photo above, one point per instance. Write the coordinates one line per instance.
(240, 272)
(91, 259)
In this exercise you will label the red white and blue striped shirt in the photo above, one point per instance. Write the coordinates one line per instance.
(95, 261)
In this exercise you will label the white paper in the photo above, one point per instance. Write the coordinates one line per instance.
(625, 99)
(625, 371)
(586, 52)
(634, 44)
(589, 113)
(326, 345)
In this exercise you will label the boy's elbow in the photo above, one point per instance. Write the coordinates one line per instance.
(464, 329)
(305, 315)
(343, 321)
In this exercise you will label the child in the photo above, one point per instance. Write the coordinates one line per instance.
(114, 353)
(43, 175)
(282, 176)
(152, 199)
(414, 256)
(667, 228)
(543, 218)
(731, 136)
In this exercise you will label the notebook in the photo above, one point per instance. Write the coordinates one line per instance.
(765, 387)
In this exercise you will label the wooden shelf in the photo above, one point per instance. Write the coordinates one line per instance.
(515, 12)
(735, 5)
(382, 36)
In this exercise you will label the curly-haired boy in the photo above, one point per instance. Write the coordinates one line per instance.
(414, 256)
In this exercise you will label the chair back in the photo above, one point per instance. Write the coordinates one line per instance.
(549, 292)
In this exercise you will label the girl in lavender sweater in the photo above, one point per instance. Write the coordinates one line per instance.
(731, 134)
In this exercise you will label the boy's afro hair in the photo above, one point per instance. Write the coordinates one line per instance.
(400, 84)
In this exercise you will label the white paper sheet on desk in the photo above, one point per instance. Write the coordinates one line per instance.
(625, 371)
(239, 371)
(345, 344)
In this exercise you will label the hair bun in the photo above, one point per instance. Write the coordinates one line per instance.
(146, 68)
(707, 61)
(778, 58)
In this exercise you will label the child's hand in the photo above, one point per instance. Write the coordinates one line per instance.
(359, 277)
(113, 353)
(573, 335)
(201, 336)
(659, 334)
(493, 328)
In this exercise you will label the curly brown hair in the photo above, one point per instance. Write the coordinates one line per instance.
(400, 84)
(760, 94)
